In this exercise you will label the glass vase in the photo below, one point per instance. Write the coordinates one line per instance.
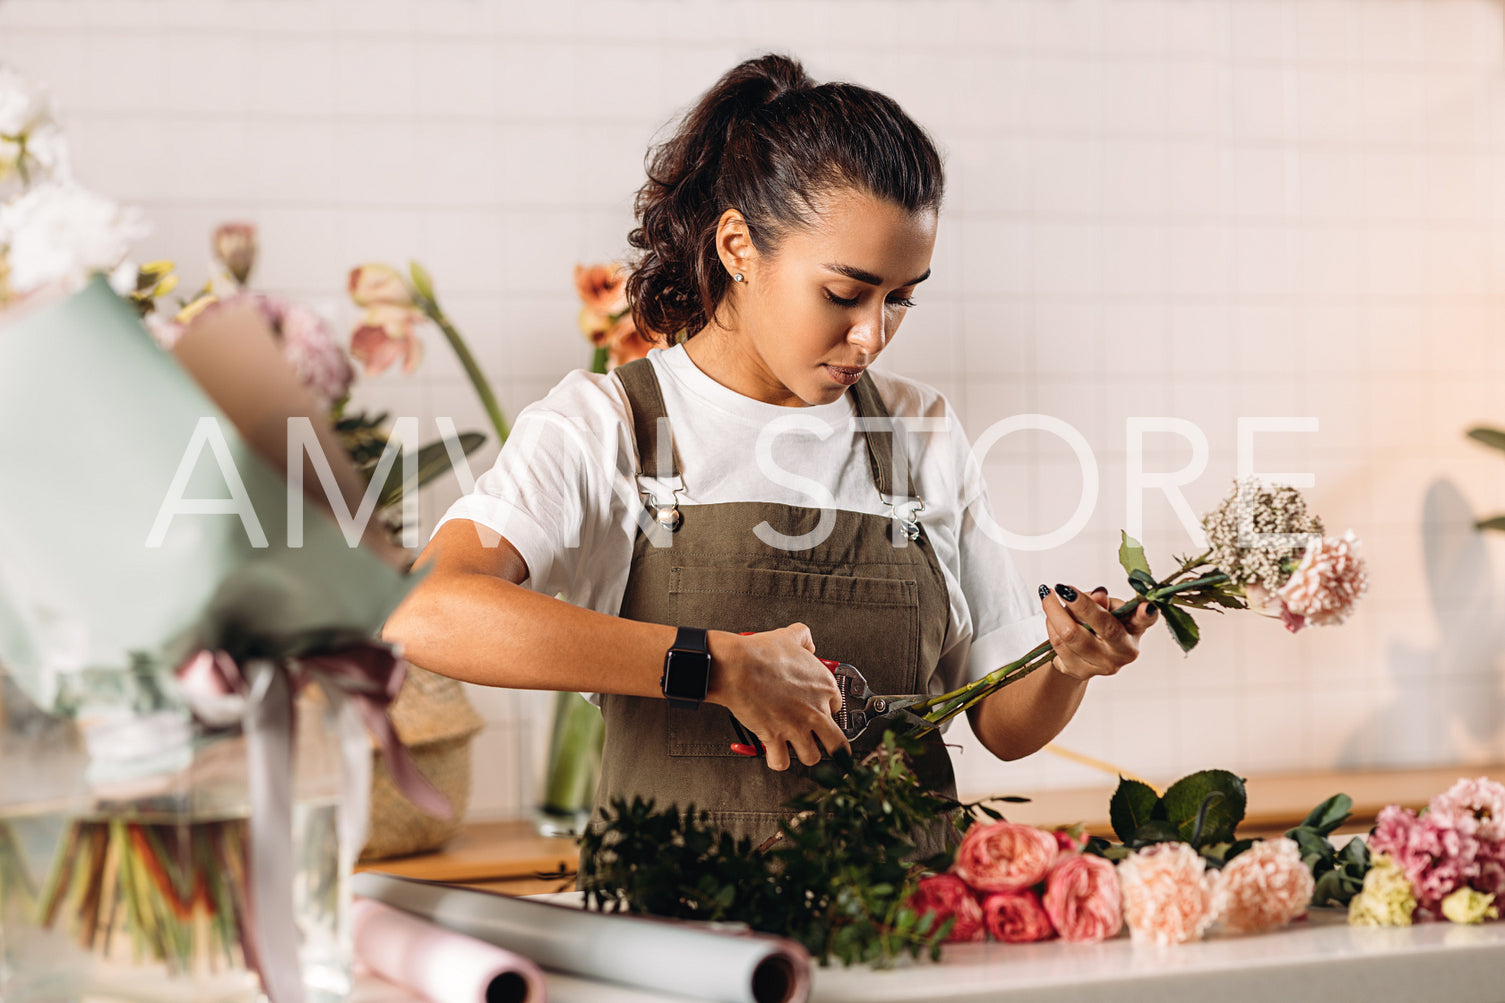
(573, 767)
(125, 852)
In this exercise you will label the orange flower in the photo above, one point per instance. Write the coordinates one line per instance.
(602, 288)
(624, 342)
(388, 328)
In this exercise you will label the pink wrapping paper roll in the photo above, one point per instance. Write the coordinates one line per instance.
(438, 964)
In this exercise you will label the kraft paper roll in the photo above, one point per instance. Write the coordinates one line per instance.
(438, 964)
(666, 956)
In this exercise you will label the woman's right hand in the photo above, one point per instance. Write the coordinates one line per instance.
(779, 690)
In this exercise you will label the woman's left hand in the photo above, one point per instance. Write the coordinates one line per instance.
(1110, 644)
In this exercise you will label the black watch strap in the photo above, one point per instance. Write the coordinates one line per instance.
(687, 669)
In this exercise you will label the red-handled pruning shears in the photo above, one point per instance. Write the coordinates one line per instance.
(861, 708)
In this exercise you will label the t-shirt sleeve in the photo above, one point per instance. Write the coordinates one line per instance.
(550, 492)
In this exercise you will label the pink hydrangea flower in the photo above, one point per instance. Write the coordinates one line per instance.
(945, 896)
(1082, 898)
(1328, 582)
(1004, 856)
(1265, 887)
(1473, 807)
(1169, 895)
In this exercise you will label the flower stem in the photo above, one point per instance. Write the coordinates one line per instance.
(472, 369)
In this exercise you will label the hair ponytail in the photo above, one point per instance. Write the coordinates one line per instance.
(767, 141)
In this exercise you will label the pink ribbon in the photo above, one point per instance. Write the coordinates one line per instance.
(259, 698)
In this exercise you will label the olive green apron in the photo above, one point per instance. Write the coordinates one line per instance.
(880, 606)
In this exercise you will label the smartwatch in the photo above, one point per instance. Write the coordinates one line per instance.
(687, 669)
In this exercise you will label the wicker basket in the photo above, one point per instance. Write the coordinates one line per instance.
(436, 721)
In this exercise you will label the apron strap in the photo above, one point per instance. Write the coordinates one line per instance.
(880, 452)
(646, 403)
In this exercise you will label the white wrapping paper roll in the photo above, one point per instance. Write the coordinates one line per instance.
(438, 964)
(666, 956)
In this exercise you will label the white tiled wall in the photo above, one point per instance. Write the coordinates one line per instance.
(1201, 209)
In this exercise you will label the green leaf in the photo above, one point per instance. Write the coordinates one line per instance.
(1182, 627)
(433, 461)
(1131, 555)
(1494, 522)
(1200, 825)
(1184, 801)
(1133, 804)
(1491, 437)
(1328, 815)
(423, 283)
(1156, 830)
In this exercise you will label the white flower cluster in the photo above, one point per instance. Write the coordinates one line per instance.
(51, 230)
(1258, 533)
(31, 144)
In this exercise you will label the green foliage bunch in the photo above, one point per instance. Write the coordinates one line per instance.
(838, 879)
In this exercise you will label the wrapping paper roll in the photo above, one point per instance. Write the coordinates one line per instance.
(438, 964)
(662, 955)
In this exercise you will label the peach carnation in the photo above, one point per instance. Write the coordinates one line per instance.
(1004, 856)
(1328, 582)
(1169, 895)
(1265, 887)
(1473, 807)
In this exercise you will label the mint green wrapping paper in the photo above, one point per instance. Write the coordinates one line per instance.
(95, 421)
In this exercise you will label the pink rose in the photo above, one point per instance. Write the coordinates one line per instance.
(1016, 917)
(1083, 900)
(945, 896)
(1071, 840)
(1004, 856)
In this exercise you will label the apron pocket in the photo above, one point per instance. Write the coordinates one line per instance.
(873, 623)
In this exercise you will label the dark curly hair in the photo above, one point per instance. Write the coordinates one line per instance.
(767, 141)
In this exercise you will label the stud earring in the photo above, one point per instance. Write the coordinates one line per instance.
(736, 276)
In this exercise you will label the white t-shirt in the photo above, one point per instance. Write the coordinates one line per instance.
(563, 492)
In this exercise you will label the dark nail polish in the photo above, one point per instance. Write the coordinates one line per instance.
(1066, 592)
(1101, 588)
(1044, 591)
(1150, 612)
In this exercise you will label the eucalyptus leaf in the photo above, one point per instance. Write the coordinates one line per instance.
(1132, 805)
(1182, 627)
(1131, 555)
(1184, 801)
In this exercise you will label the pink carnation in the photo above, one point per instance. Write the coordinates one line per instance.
(1016, 917)
(1083, 900)
(1169, 895)
(1004, 856)
(1265, 887)
(1473, 807)
(1435, 858)
(310, 346)
(945, 896)
(1328, 582)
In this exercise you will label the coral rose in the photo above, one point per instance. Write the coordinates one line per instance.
(1169, 895)
(1265, 887)
(1004, 856)
(1016, 917)
(1083, 900)
(946, 896)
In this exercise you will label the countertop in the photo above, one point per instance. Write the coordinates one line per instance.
(1318, 959)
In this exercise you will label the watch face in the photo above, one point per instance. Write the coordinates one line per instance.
(687, 674)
